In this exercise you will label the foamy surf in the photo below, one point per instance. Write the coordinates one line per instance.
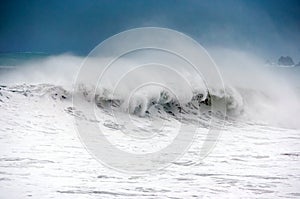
(38, 134)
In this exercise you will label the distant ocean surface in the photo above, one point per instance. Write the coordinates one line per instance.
(15, 59)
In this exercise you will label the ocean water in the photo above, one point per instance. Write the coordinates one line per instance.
(256, 156)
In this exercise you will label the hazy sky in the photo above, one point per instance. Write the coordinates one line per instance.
(267, 27)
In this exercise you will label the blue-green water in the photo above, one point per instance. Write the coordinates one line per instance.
(15, 59)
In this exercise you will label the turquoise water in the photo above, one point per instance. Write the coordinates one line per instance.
(15, 59)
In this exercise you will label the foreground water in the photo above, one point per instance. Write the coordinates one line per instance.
(41, 157)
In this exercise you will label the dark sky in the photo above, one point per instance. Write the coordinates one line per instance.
(269, 27)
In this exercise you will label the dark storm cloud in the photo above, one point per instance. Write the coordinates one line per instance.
(270, 27)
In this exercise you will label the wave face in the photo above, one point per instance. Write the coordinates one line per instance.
(144, 106)
(247, 99)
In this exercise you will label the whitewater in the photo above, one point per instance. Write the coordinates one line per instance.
(256, 155)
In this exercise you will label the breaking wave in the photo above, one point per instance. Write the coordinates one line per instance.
(140, 105)
(248, 98)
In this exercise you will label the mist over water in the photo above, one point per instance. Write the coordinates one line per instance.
(270, 93)
(254, 91)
